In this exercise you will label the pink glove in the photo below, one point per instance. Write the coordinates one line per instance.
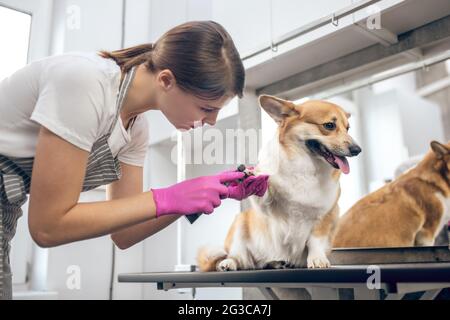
(252, 185)
(196, 195)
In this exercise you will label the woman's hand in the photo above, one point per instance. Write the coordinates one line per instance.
(252, 185)
(198, 195)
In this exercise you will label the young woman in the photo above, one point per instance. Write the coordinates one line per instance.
(72, 122)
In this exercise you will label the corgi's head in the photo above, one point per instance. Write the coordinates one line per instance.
(319, 127)
(440, 159)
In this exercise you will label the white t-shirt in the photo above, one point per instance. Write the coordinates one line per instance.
(74, 96)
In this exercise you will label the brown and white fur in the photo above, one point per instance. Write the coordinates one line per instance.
(291, 225)
(409, 211)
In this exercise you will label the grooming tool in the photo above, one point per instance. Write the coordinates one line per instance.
(242, 168)
(246, 171)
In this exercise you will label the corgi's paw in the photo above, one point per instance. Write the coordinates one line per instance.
(227, 265)
(278, 264)
(318, 261)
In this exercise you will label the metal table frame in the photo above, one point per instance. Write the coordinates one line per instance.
(401, 271)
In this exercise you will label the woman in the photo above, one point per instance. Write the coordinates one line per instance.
(72, 122)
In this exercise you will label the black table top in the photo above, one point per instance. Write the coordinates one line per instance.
(389, 273)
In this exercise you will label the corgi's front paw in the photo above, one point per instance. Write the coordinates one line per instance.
(318, 261)
(227, 265)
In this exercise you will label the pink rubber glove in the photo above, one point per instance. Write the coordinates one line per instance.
(252, 185)
(198, 195)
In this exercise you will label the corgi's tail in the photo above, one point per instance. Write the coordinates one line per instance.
(208, 257)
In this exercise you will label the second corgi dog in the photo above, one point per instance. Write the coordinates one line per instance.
(291, 225)
(409, 211)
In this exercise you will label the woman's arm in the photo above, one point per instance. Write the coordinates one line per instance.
(55, 216)
(131, 183)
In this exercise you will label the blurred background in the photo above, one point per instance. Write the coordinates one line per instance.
(386, 62)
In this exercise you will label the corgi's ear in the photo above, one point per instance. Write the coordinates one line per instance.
(348, 114)
(277, 108)
(439, 149)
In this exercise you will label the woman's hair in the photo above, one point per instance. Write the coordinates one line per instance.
(200, 54)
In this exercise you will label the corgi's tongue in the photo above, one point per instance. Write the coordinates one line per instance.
(342, 163)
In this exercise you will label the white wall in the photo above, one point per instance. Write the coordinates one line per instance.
(91, 257)
(169, 13)
(246, 21)
(397, 124)
(86, 25)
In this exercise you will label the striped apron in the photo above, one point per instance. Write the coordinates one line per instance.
(15, 180)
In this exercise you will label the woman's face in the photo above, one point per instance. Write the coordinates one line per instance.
(186, 111)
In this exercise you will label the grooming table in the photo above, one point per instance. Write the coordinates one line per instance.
(400, 271)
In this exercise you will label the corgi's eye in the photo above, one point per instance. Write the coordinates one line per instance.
(329, 126)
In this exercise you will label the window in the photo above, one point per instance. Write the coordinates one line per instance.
(15, 38)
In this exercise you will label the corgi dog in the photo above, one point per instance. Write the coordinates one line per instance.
(291, 225)
(409, 211)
